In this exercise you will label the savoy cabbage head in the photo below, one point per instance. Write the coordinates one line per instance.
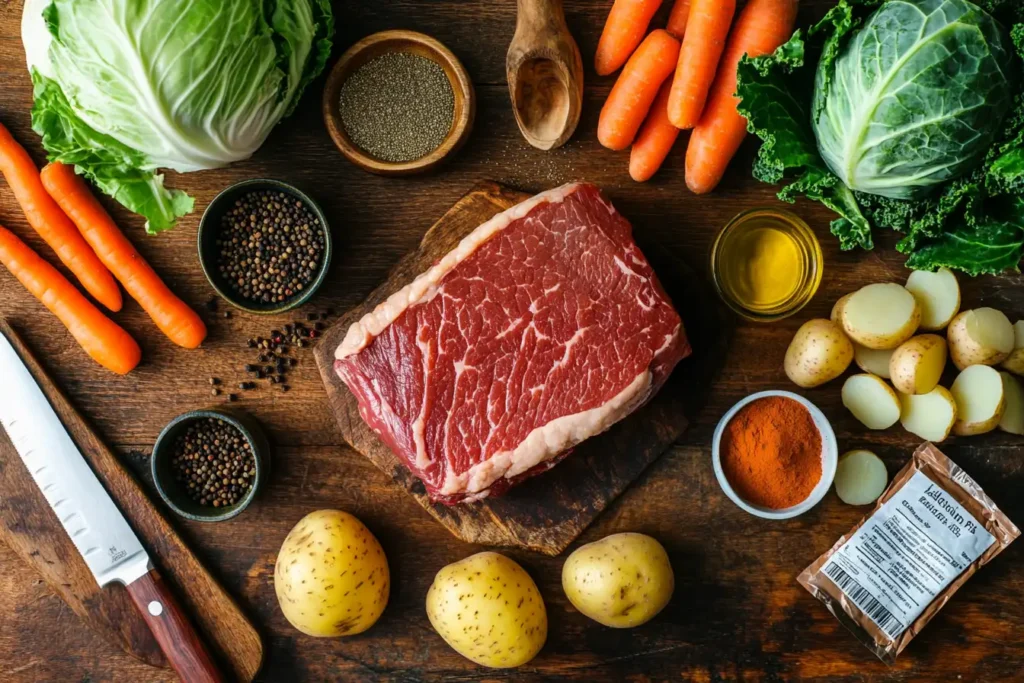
(126, 87)
(915, 99)
(902, 114)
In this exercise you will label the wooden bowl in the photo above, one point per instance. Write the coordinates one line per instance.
(418, 44)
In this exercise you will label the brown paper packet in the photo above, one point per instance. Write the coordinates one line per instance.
(893, 563)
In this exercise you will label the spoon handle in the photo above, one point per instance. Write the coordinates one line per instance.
(540, 17)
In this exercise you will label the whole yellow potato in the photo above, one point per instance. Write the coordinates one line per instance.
(820, 352)
(621, 581)
(331, 575)
(488, 609)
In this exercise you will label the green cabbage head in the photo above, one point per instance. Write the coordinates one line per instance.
(915, 99)
(126, 87)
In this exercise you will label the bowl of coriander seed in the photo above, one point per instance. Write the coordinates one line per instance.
(264, 246)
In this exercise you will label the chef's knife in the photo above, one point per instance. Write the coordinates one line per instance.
(96, 527)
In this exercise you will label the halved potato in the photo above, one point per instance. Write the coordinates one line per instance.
(916, 365)
(881, 316)
(872, 361)
(819, 352)
(871, 401)
(1015, 361)
(980, 400)
(861, 478)
(1012, 421)
(938, 294)
(930, 416)
(982, 336)
(837, 310)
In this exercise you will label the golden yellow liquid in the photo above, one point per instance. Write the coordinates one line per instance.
(766, 264)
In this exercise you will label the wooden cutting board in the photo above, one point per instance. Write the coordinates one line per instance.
(547, 512)
(31, 529)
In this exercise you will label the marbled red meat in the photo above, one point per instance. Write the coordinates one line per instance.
(542, 328)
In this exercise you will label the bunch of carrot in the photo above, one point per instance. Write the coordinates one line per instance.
(59, 206)
(683, 77)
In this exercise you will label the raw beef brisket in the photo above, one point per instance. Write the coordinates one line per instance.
(543, 327)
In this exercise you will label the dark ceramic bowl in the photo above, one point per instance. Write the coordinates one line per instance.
(174, 494)
(209, 227)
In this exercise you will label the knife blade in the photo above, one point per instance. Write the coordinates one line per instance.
(91, 519)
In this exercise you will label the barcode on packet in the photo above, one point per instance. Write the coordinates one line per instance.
(865, 601)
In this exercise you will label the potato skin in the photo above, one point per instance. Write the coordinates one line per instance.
(1015, 361)
(621, 581)
(906, 364)
(331, 576)
(488, 609)
(820, 352)
(963, 428)
(964, 351)
(837, 310)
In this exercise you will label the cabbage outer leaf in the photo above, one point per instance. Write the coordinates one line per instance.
(118, 170)
(776, 102)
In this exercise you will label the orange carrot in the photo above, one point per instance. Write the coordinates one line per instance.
(634, 92)
(655, 139)
(698, 59)
(101, 337)
(678, 19)
(53, 226)
(763, 25)
(174, 318)
(625, 28)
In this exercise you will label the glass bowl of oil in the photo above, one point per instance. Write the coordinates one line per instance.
(766, 264)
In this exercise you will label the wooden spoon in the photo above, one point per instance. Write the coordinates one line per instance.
(545, 74)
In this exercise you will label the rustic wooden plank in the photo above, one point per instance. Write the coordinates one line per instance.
(738, 615)
(547, 512)
(30, 527)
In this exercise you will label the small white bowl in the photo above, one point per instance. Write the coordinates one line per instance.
(829, 459)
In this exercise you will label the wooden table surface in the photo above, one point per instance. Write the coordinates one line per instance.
(738, 612)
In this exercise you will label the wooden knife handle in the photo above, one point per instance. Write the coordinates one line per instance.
(174, 633)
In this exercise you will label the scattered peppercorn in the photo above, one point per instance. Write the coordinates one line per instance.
(214, 392)
(213, 462)
(270, 246)
(232, 397)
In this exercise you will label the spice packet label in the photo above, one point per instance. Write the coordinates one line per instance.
(905, 555)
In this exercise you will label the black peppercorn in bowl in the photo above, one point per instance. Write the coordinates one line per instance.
(264, 246)
(208, 465)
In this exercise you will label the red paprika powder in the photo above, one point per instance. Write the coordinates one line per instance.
(771, 452)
